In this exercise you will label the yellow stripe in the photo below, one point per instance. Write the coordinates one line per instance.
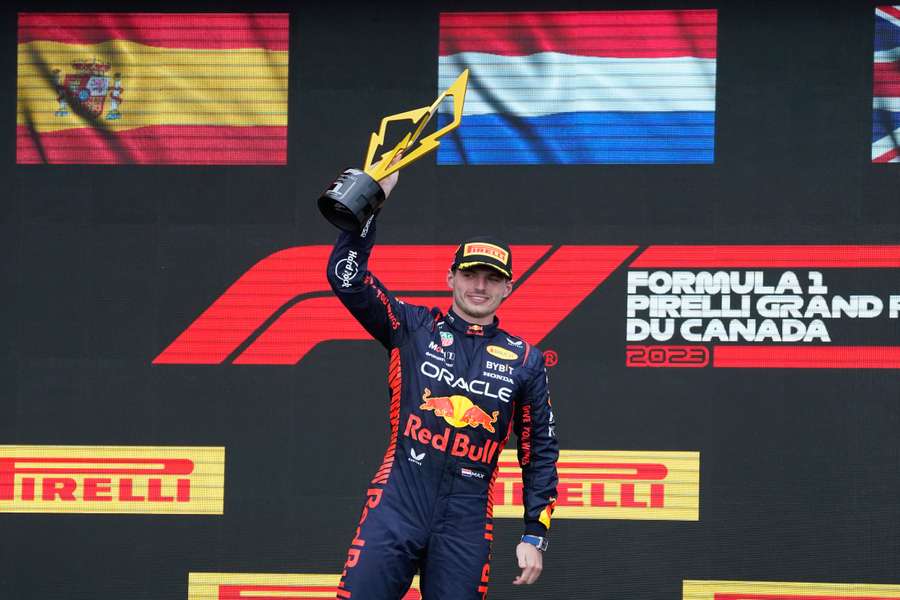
(205, 586)
(466, 265)
(707, 590)
(161, 86)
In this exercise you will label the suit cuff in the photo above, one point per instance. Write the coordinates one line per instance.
(535, 528)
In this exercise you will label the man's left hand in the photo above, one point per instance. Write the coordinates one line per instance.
(531, 562)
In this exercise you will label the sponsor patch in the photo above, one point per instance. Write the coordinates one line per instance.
(467, 472)
(501, 353)
(483, 249)
(416, 457)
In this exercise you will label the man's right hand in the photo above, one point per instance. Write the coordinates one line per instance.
(387, 184)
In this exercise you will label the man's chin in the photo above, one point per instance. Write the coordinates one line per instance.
(478, 312)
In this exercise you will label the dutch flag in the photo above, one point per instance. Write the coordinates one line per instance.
(581, 87)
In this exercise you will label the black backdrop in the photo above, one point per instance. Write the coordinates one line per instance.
(104, 266)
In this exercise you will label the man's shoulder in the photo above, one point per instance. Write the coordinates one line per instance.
(530, 355)
(418, 315)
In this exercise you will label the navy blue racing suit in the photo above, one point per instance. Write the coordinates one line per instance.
(456, 392)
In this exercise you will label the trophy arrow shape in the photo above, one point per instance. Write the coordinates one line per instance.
(355, 196)
(421, 117)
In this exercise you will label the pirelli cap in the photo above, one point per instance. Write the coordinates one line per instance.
(486, 251)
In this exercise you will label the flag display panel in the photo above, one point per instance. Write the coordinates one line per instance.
(152, 88)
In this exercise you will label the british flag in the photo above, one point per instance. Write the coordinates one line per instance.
(886, 86)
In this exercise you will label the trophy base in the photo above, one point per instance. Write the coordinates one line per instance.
(351, 200)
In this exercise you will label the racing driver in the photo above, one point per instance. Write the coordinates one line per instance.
(458, 385)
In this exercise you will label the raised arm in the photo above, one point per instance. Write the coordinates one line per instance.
(376, 309)
(359, 290)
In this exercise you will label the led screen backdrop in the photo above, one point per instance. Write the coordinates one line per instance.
(711, 269)
(581, 87)
(152, 88)
(886, 103)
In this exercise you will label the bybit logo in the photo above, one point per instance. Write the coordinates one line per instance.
(104, 479)
(596, 484)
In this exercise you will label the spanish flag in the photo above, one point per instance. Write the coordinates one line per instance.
(139, 88)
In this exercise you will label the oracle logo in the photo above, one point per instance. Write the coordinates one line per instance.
(282, 307)
(595, 484)
(68, 479)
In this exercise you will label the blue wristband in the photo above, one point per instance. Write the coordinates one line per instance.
(539, 542)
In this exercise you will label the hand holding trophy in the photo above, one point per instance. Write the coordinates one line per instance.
(356, 195)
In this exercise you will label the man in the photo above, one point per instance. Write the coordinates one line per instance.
(458, 385)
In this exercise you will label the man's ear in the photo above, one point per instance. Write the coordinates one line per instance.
(509, 287)
(450, 278)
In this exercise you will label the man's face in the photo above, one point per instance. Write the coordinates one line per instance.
(478, 291)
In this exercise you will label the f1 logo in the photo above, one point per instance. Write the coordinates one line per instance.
(280, 309)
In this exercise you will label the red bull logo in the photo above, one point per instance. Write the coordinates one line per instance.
(457, 443)
(458, 411)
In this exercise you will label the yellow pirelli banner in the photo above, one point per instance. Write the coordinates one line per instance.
(258, 586)
(604, 484)
(112, 479)
(767, 590)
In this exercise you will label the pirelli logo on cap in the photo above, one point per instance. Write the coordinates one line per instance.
(600, 484)
(766, 590)
(112, 479)
(482, 249)
(265, 586)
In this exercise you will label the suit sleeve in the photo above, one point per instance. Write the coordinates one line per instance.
(538, 449)
(377, 310)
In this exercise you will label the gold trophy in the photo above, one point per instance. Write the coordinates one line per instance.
(355, 195)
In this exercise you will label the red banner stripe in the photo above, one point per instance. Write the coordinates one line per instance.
(623, 34)
(668, 257)
(807, 357)
(158, 144)
(886, 80)
(325, 318)
(569, 276)
(207, 31)
(887, 156)
(890, 10)
(297, 592)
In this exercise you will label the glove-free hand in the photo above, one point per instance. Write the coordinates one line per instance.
(387, 184)
(531, 561)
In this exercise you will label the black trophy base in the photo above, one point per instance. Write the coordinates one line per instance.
(351, 200)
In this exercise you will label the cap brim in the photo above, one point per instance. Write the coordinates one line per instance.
(476, 263)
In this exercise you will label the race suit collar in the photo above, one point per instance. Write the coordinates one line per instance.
(461, 325)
